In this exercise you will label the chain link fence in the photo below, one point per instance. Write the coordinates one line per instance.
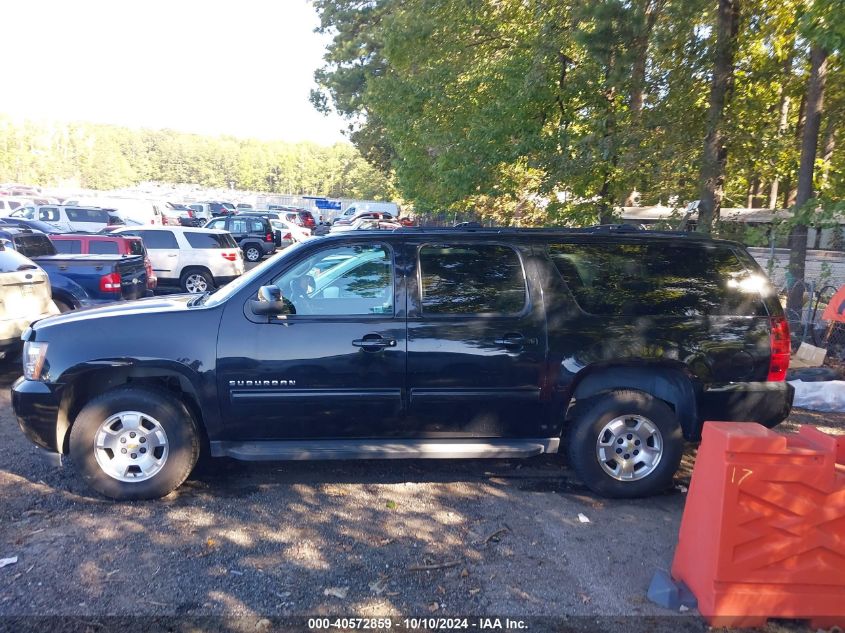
(807, 324)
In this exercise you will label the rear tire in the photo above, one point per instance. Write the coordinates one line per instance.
(196, 281)
(625, 444)
(163, 448)
(252, 253)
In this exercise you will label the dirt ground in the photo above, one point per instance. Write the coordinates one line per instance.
(414, 538)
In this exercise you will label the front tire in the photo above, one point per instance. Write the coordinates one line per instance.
(625, 444)
(135, 443)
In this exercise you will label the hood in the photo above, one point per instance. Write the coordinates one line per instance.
(151, 305)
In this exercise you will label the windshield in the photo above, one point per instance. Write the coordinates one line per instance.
(248, 278)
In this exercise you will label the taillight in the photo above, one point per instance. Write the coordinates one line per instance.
(191, 214)
(287, 237)
(110, 282)
(268, 237)
(230, 256)
(781, 348)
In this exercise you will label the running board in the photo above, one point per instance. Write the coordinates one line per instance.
(271, 450)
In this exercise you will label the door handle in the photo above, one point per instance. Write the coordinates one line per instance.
(512, 340)
(374, 342)
(172, 255)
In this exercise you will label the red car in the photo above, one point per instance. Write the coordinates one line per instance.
(76, 243)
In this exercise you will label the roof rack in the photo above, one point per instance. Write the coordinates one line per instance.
(616, 229)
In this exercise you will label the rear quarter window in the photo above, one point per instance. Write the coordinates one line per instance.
(210, 240)
(136, 247)
(658, 279)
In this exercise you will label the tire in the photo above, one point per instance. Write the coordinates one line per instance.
(252, 253)
(196, 281)
(629, 416)
(110, 418)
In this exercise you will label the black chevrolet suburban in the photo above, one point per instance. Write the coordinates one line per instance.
(610, 345)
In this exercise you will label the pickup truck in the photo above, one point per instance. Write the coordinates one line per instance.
(611, 345)
(81, 281)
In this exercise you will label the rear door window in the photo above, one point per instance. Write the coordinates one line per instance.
(658, 279)
(199, 239)
(99, 216)
(68, 247)
(238, 226)
(158, 240)
(102, 247)
(471, 279)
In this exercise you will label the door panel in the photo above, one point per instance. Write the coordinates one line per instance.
(476, 344)
(319, 373)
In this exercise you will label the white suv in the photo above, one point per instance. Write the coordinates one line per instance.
(197, 259)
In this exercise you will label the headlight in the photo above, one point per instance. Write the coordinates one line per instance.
(34, 354)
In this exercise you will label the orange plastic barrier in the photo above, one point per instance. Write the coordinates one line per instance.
(763, 531)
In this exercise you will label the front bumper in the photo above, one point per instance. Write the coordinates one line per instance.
(767, 403)
(36, 406)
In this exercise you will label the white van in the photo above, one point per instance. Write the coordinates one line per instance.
(358, 206)
(141, 211)
(66, 218)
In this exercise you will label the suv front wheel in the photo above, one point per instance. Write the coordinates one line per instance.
(134, 443)
(625, 444)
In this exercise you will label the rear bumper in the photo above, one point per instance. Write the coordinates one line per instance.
(767, 403)
(36, 406)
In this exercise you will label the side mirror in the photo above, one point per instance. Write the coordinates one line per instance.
(270, 302)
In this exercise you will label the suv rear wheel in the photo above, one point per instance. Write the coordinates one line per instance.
(196, 281)
(135, 443)
(252, 252)
(625, 444)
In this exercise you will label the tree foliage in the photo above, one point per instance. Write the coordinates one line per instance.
(557, 110)
(107, 157)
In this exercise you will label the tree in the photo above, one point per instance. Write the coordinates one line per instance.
(809, 146)
(715, 155)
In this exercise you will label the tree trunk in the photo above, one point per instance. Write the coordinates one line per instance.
(828, 146)
(715, 155)
(639, 47)
(783, 123)
(809, 147)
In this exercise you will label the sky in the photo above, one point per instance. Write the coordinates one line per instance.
(240, 67)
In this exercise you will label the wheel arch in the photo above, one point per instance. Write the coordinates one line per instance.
(668, 383)
(85, 382)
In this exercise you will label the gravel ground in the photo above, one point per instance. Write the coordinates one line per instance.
(485, 537)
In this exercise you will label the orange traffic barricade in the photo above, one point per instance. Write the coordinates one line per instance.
(763, 531)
